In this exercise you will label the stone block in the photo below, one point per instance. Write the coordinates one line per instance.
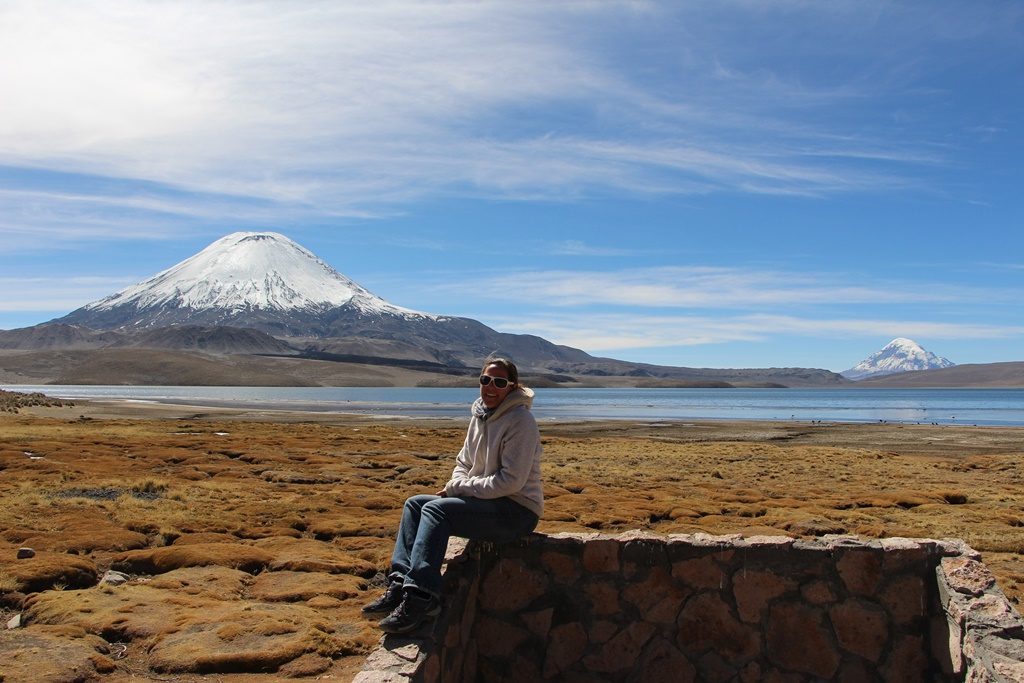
(658, 598)
(566, 646)
(524, 668)
(707, 623)
(431, 671)
(662, 662)
(856, 671)
(622, 651)
(798, 640)
(945, 644)
(699, 573)
(640, 535)
(728, 541)
(966, 576)
(640, 552)
(755, 589)
(602, 630)
(764, 542)
(860, 568)
(603, 597)
(601, 556)
(818, 593)
(538, 623)
(564, 568)
(498, 638)
(906, 597)
(907, 661)
(918, 556)
(456, 551)
(861, 628)
(375, 676)
(452, 635)
(751, 673)
(713, 668)
(645, 592)
(512, 586)
(992, 613)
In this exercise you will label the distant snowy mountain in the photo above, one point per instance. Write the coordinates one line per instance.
(899, 355)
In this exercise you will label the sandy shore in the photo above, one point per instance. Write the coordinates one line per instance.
(306, 485)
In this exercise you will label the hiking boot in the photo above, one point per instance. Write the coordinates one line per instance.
(415, 609)
(388, 602)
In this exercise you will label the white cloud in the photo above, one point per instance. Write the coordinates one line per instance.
(344, 108)
(707, 287)
(55, 294)
(602, 333)
(580, 248)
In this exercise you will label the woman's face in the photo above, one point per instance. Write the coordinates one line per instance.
(493, 396)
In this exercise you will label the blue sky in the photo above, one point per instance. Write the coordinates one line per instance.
(729, 183)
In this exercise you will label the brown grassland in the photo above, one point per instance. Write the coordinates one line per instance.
(252, 539)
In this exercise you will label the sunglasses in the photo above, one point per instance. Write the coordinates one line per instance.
(499, 382)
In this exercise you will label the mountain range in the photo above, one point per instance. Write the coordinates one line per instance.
(255, 308)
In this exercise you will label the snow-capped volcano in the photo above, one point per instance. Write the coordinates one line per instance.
(247, 271)
(266, 282)
(899, 355)
(251, 279)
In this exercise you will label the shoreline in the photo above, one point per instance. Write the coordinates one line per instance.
(942, 440)
(563, 409)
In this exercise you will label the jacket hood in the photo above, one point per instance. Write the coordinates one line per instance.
(523, 396)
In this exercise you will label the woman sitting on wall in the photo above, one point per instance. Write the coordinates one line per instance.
(494, 494)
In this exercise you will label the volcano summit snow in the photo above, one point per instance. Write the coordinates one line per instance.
(241, 273)
(899, 355)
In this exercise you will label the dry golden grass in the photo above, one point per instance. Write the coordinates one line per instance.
(263, 537)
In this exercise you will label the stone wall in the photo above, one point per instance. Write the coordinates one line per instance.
(639, 607)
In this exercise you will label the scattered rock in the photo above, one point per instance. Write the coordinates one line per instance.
(25, 553)
(14, 622)
(112, 578)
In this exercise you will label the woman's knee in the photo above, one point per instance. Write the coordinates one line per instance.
(418, 501)
(441, 508)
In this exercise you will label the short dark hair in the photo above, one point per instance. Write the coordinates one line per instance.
(510, 368)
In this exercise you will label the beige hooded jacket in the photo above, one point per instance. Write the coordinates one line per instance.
(501, 455)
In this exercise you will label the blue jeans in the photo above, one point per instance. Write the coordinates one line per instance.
(428, 521)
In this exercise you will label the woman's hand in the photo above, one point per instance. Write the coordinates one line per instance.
(441, 493)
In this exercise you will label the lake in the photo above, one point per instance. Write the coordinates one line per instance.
(940, 406)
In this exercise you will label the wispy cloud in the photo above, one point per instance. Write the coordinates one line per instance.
(56, 294)
(580, 248)
(618, 332)
(713, 287)
(345, 109)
